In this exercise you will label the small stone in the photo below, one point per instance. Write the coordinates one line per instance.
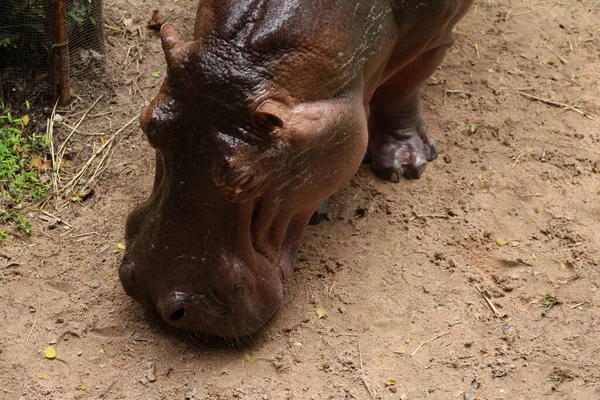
(53, 341)
(191, 392)
(79, 353)
(95, 285)
(151, 374)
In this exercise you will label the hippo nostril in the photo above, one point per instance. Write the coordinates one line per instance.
(177, 315)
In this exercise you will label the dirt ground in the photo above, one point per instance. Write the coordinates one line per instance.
(511, 207)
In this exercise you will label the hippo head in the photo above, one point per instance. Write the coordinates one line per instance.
(245, 153)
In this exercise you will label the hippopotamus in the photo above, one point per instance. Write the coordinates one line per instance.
(265, 114)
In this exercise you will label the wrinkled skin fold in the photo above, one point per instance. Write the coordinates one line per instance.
(266, 113)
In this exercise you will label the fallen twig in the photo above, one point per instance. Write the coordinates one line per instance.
(50, 132)
(425, 216)
(82, 133)
(487, 299)
(63, 147)
(577, 305)
(57, 219)
(519, 156)
(557, 104)
(96, 153)
(362, 373)
(564, 314)
(31, 331)
(429, 341)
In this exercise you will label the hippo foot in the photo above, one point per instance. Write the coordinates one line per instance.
(322, 214)
(402, 152)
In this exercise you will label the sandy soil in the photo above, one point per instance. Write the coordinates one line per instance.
(512, 209)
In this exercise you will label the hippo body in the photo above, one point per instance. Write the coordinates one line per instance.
(263, 116)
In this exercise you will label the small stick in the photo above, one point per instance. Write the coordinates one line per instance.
(31, 331)
(594, 6)
(84, 235)
(519, 156)
(487, 299)
(557, 104)
(95, 154)
(112, 28)
(56, 218)
(425, 216)
(532, 11)
(50, 129)
(564, 314)
(83, 134)
(362, 373)
(562, 60)
(578, 305)
(63, 147)
(429, 341)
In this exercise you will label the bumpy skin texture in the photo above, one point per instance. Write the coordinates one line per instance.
(262, 117)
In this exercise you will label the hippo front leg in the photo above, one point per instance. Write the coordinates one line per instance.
(400, 144)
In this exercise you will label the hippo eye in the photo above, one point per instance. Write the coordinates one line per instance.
(269, 116)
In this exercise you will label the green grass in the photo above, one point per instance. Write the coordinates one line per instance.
(19, 179)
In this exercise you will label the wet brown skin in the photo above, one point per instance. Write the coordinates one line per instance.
(262, 117)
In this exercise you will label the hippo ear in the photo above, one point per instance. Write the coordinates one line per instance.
(170, 40)
(270, 115)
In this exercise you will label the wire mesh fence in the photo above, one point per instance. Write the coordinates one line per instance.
(34, 38)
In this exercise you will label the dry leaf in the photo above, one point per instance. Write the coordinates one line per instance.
(68, 164)
(84, 194)
(320, 313)
(50, 352)
(480, 177)
(401, 350)
(120, 246)
(81, 387)
(43, 376)
(501, 242)
(247, 357)
(102, 141)
(391, 382)
(403, 396)
(37, 162)
(26, 120)
(47, 164)
(563, 266)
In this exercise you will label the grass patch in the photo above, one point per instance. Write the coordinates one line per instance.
(20, 169)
